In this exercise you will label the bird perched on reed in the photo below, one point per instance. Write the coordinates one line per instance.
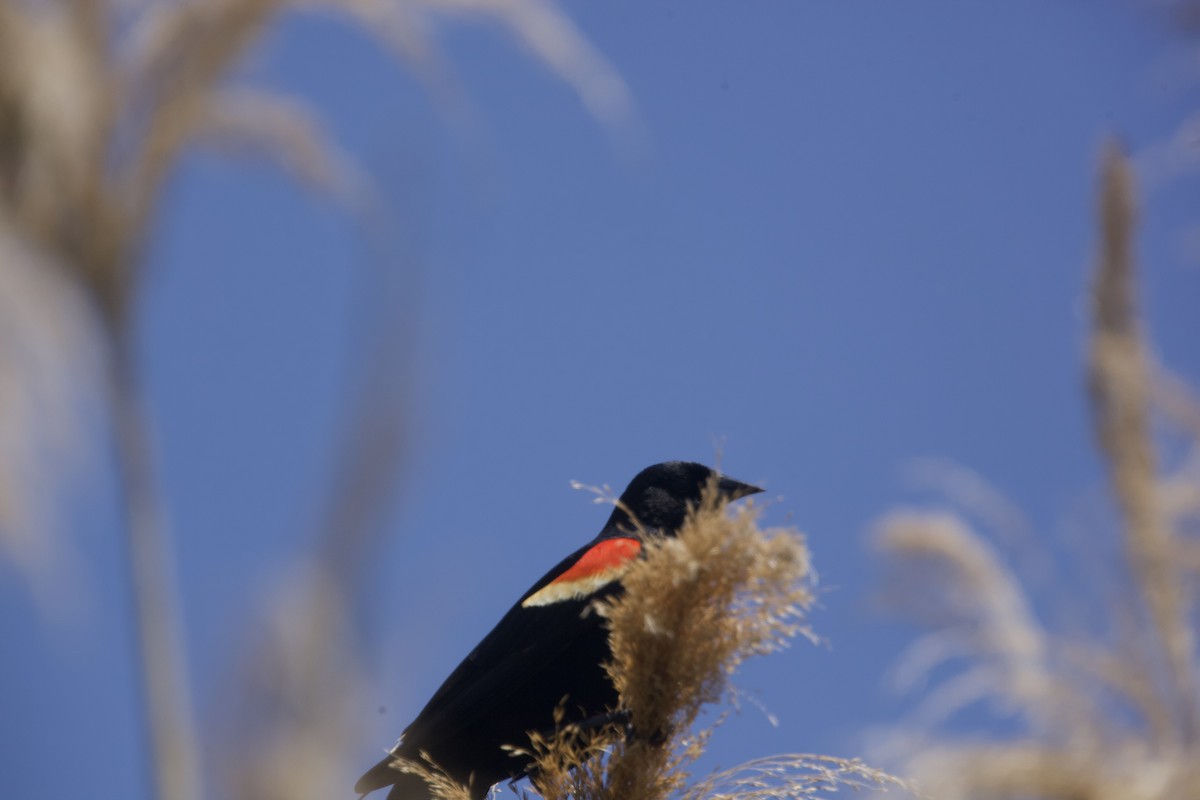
(548, 652)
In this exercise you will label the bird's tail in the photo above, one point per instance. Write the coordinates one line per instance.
(404, 786)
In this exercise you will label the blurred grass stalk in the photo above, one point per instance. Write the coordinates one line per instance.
(1120, 382)
(1112, 715)
(99, 100)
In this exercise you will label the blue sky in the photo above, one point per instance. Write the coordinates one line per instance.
(842, 236)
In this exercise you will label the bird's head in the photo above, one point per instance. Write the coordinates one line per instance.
(659, 496)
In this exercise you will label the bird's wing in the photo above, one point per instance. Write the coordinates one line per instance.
(540, 626)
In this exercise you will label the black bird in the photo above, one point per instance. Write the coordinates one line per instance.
(545, 649)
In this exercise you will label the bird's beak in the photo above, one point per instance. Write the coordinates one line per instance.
(734, 490)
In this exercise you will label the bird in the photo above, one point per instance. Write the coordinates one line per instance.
(547, 653)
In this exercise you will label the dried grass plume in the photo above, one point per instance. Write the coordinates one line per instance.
(1113, 710)
(696, 607)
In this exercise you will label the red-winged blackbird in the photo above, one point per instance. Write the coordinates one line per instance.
(546, 651)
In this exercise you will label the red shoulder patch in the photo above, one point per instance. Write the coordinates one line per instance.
(599, 566)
